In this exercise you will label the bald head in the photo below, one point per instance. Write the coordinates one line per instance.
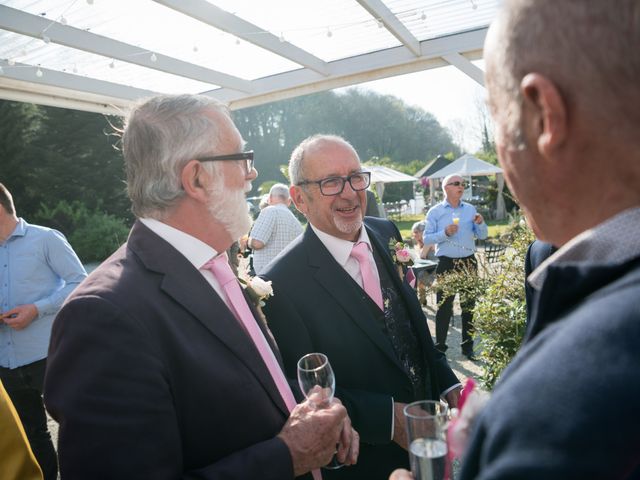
(306, 147)
(582, 46)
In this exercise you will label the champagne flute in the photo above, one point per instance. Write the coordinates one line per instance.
(318, 384)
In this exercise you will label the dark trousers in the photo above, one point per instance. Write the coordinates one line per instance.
(445, 312)
(24, 386)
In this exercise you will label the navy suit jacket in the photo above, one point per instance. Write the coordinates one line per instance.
(567, 407)
(537, 253)
(151, 377)
(317, 306)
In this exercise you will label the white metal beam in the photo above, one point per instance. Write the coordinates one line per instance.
(461, 63)
(33, 25)
(382, 13)
(218, 18)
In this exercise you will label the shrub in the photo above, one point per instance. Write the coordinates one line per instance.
(94, 235)
(499, 315)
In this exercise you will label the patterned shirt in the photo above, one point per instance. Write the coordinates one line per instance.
(276, 227)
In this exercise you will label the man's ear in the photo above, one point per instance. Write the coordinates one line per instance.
(195, 180)
(298, 198)
(548, 112)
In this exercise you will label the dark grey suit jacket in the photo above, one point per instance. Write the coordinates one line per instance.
(152, 377)
(317, 306)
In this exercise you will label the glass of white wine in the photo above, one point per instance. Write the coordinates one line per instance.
(427, 422)
(318, 384)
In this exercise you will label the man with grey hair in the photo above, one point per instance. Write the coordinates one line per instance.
(453, 225)
(338, 291)
(274, 228)
(564, 93)
(159, 368)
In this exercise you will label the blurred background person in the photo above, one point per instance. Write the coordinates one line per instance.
(38, 269)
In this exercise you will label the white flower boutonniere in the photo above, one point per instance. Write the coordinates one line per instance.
(258, 289)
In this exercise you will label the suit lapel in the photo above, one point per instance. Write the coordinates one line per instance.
(339, 285)
(182, 282)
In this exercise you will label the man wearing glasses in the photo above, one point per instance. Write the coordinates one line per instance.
(158, 366)
(337, 291)
(453, 225)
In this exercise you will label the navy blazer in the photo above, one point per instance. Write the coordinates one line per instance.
(318, 307)
(151, 376)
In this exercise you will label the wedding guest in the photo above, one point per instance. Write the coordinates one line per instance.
(159, 367)
(274, 229)
(337, 291)
(39, 269)
(17, 461)
(564, 94)
(453, 225)
(424, 278)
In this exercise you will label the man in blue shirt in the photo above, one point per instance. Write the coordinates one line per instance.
(452, 225)
(38, 270)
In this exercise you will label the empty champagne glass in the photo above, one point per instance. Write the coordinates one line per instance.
(318, 384)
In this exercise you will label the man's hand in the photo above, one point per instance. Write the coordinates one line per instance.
(400, 425)
(349, 447)
(21, 316)
(401, 474)
(453, 397)
(478, 219)
(313, 434)
(451, 230)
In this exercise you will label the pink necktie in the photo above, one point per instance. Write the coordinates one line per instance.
(360, 252)
(220, 268)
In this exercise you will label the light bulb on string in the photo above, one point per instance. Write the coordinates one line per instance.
(380, 24)
(112, 65)
(282, 40)
(423, 16)
(237, 41)
(329, 33)
(63, 20)
(46, 39)
(153, 57)
(39, 73)
(474, 6)
(75, 69)
(195, 49)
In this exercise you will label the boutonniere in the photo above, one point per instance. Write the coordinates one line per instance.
(258, 289)
(400, 253)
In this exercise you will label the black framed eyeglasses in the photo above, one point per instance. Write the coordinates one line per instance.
(457, 184)
(335, 185)
(246, 156)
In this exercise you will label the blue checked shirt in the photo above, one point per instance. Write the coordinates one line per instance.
(37, 266)
(276, 227)
(463, 243)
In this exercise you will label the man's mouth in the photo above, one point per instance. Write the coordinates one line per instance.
(348, 210)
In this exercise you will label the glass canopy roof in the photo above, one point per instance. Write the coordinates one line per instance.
(100, 55)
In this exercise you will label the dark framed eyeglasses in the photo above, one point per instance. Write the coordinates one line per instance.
(246, 156)
(457, 184)
(335, 185)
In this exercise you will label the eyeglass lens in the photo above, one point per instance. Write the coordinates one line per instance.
(335, 185)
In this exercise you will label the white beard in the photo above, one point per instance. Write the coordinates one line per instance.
(348, 227)
(230, 209)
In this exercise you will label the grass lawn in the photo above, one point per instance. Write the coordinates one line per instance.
(496, 227)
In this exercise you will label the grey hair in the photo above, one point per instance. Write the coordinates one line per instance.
(296, 164)
(418, 227)
(160, 136)
(446, 179)
(580, 45)
(279, 190)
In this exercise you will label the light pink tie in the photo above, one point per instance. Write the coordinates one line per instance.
(219, 267)
(360, 252)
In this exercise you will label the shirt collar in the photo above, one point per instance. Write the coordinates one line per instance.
(446, 203)
(20, 230)
(194, 250)
(614, 241)
(338, 248)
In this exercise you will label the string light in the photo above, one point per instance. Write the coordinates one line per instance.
(63, 20)
(39, 73)
(380, 24)
(195, 49)
(75, 68)
(329, 33)
(423, 16)
(237, 41)
(282, 40)
(112, 64)
(473, 5)
(46, 39)
(153, 57)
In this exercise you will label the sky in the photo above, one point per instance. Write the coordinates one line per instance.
(450, 95)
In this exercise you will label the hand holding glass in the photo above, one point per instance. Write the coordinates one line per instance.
(318, 383)
(427, 434)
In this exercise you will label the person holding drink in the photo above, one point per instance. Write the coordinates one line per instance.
(338, 292)
(453, 225)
